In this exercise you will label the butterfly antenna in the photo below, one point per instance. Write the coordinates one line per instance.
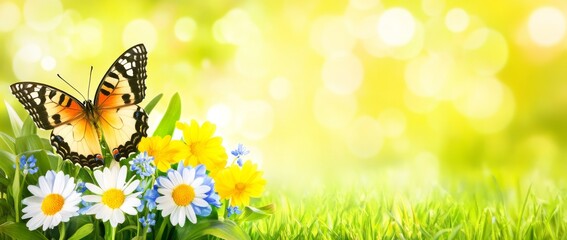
(70, 85)
(89, 89)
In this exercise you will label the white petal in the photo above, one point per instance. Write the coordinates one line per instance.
(94, 188)
(201, 189)
(35, 222)
(45, 187)
(99, 177)
(56, 220)
(131, 187)
(92, 198)
(181, 216)
(69, 187)
(32, 200)
(50, 177)
(191, 176)
(165, 191)
(121, 178)
(174, 216)
(118, 215)
(197, 182)
(187, 176)
(109, 179)
(59, 183)
(97, 208)
(172, 178)
(47, 222)
(200, 202)
(35, 190)
(129, 210)
(191, 214)
(166, 183)
(166, 209)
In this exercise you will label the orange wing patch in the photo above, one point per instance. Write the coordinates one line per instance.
(123, 128)
(49, 107)
(78, 141)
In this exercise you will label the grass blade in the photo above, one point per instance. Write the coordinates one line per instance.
(171, 116)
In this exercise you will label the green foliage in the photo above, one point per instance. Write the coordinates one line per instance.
(171, 116)
(152, 104)
(82, 232)
(15, 120)
(19, 231)
(226, 229)
(252, 214)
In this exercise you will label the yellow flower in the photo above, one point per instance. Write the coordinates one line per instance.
(203, 147)
(164, 150)
(240, 184)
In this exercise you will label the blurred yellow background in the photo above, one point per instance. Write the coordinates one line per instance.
(406, 90)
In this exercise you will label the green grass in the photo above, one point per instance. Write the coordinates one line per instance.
(481, 211)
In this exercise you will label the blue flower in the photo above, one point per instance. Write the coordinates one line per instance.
(149, 199)
(233, 210)
(142, 165)
(85, 208)
(27, 165)
(148, 221)
(81, 187)
(239, 152)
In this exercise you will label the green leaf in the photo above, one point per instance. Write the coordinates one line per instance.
(15, 120)
(30, 143)
(253, 214)
(171, 116)
(7, 161)
(19, 231)
(82, 232)
(222, 229)
(7, 142)
(152, 104)
(29, 127)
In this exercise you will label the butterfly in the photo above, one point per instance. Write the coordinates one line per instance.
(114, 113)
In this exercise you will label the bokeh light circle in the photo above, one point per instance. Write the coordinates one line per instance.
(433, 7)
(220, 114)
(480, 97)
(501, 117)
(330, 35)
(546, 26)
(185, 28)
(10, 13)
(343, 73)
(48, 63)
(364, 138)
(280, 88)
(87, 39)
(255, 119)
(24, 63)
(393, 122)
(396, 26)
(140, 31)
(43, 15)
(237, 28)
(457, 20)
(333, 110)
(486, 51)
(427, 76)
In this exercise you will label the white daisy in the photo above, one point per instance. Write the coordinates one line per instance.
(114, 196)
(54, 201)
(182, 192)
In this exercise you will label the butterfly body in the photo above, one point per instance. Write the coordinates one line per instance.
(78, 126)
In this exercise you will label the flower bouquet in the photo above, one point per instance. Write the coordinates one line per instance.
(168, 189)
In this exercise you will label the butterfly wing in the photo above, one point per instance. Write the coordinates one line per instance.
(125, 81)
(49, 107)
(78, 141)
(122, 122)
(74, 136)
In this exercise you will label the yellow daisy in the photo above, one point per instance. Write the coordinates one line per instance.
(203, 147)
(240, 184)
(164, 150)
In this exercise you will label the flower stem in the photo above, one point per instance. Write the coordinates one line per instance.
(161, 228)
(225, 214)
(62, 231)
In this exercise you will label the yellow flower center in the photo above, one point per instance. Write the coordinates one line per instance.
(240, 187)
(113, 198)
(197, 148)
(183, 195)
(52, 204)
